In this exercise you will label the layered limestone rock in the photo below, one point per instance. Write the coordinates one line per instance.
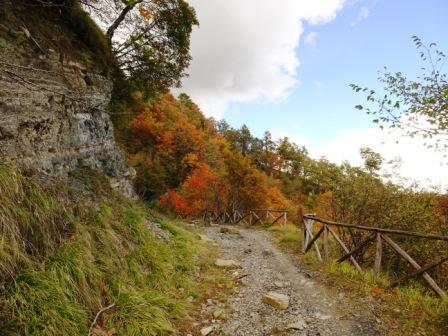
(54, 112)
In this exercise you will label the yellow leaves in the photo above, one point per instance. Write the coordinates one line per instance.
(190, 161)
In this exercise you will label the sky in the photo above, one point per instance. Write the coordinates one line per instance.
(285, 66)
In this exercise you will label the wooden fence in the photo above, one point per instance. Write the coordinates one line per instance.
(377, 237)
(248, 217)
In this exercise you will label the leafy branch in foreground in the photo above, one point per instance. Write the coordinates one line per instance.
(150, 39)
(418, 107)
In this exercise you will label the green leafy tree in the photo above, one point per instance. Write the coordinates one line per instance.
(372, 160)
(150, 39)
(419, 107)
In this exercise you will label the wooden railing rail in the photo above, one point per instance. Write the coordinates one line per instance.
(375, 229)
(378, 236)
(248, 217)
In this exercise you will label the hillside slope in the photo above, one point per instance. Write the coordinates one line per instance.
(69, 251)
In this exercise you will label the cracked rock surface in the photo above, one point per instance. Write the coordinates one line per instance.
(54, 107)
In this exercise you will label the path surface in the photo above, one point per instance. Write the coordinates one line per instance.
(314, 309)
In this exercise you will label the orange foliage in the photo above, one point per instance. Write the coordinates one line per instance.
(145, 130)
(176, 202)
(175, 147)
(276, 199)
(204, 190)
(165, 141)
(324, 209)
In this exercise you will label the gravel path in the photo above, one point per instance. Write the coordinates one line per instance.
(313, 309)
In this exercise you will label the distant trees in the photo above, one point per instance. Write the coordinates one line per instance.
(419, 107)
(182, 159)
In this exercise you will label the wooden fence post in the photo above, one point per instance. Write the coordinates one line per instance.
(309, 230)
(304, 234)
(378, 256)
(325, 243)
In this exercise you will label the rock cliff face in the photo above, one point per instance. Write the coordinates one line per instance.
(54, 111)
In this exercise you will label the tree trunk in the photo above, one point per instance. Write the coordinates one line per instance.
(110, 32)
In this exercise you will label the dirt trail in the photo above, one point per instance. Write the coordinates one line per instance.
(315, 309)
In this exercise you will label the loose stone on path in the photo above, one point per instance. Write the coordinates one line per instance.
(276, 300)
(206, 331)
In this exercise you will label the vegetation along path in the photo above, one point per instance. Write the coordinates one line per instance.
(277, 296)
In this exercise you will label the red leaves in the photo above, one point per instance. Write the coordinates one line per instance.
(176, 202)
(203, 188)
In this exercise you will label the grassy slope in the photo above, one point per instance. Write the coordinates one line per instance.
(407, 310)
(64, 254)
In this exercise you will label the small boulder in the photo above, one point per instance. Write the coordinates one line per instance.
(158, 231)
(218, 313)
(276, 300)
(206, 331)
(227, 263)
(229, 230)
(278, 284)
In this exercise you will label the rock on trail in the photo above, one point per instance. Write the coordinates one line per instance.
(278, 298)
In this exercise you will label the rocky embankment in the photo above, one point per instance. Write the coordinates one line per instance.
(53, 106)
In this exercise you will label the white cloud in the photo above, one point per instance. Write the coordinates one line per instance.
(245, 50)
(310, 38)
(364, 13)
(427, 167)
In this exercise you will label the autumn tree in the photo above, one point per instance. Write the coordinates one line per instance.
(250, 188)
(205, 189)
(176, 203)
